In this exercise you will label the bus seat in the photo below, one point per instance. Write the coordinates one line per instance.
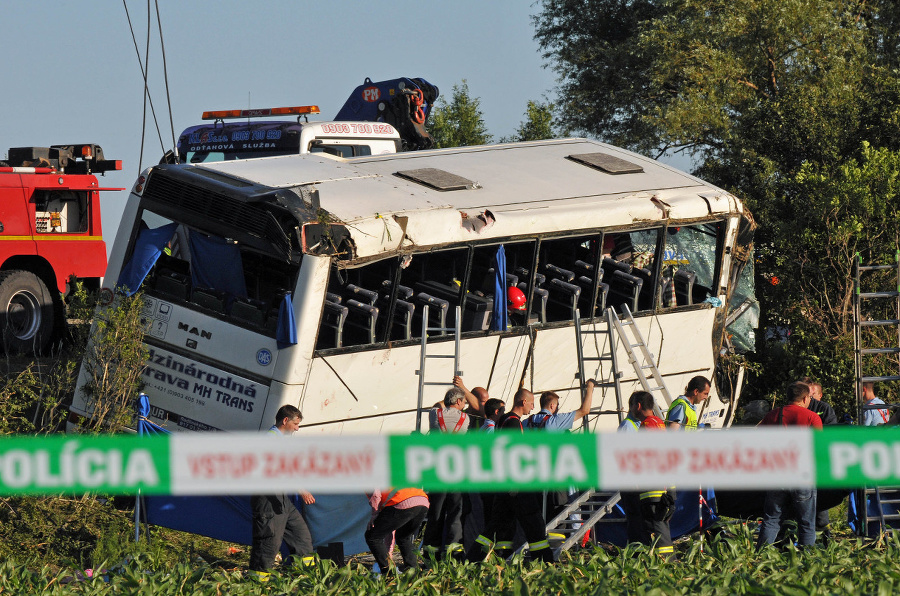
(362, 318)
(602, 295)
(403, 320)
(559, 273)
(333, 319)
(403, 292)
(477, 314)
(249, 310)
(332, 297)
(610, 265)
(563, 300)
(539, 299)
(684, 286)
(624, 289)
(437, 310)
(361, 294)
(447, 292)
(524, 274)
(584, 268)
(645, 297)
(209, 298)
(173, 284)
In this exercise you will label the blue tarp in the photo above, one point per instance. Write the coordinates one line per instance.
(499, 319)
(216, 263)
(147, 248)
(332, 518)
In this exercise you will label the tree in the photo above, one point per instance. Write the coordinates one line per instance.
(789, 104)
(459, 123)
(538, 124)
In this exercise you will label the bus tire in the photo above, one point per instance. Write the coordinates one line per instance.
(26, 312)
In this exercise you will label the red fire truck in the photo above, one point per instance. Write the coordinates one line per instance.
(50, 237)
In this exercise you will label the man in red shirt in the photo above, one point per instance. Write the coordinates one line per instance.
(796, 413)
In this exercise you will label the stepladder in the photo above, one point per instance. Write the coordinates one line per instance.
(640, 357)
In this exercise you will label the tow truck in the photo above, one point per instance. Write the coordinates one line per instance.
(378, 118)
(50, 238)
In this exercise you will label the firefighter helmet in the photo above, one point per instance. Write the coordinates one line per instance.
(515, 298)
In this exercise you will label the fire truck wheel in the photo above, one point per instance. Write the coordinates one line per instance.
(26, 312)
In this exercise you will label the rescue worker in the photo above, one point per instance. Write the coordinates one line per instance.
(516, 506)
(683, 411)
(402, 512)
(657, 506)
(640, 406)
(443, 530)
(550, 418)
(275, 517)
(515, 306)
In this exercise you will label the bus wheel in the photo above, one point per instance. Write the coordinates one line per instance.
(26, 312)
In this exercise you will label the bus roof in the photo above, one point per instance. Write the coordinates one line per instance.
(433, 198)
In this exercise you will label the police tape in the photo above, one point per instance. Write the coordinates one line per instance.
(253, 463)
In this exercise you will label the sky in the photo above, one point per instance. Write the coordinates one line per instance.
(71, 73)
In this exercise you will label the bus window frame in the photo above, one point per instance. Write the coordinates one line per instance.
(660, 228)
(192, 306)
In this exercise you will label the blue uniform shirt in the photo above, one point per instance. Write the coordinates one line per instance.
(875, 417)
(555, 422)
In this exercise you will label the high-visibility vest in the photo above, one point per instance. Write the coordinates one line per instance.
(690, 414)
(463, 417)
(401, 494)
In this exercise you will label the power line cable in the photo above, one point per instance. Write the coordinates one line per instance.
(162, 46)
(144, 76)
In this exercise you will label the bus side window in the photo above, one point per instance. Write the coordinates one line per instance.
(629, 268)
(571, 271)
(483, 281)
(690, 260)
(357, 305)
(435, 279)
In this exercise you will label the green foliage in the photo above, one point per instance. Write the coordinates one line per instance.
(459, 123)
(726, 564)
(538, 124)
(790, 104)
(113, 362)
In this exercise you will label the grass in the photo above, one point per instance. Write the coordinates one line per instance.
(175, 563)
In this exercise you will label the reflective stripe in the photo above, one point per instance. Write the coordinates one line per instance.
(504, 545)
(653, 494)
(454, 546)
(308, 560)
(665, 549)
(689, 413)
(540, 545)
(483, 541)
(459, 423)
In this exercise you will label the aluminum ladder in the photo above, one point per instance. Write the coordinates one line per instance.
(424, 356)
(587, 510)
(641, 362)
(880, 496)
(614, 373)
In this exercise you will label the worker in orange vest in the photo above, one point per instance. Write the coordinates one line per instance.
(401, 511)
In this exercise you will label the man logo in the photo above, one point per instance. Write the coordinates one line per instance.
(194, 330)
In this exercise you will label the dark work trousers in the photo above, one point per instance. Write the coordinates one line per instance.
(634, 522)
(275, 518)
(509, 508)
(444, 521)
(655, 516)
(406, 524)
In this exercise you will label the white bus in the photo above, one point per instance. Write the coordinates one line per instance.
(360, 245)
